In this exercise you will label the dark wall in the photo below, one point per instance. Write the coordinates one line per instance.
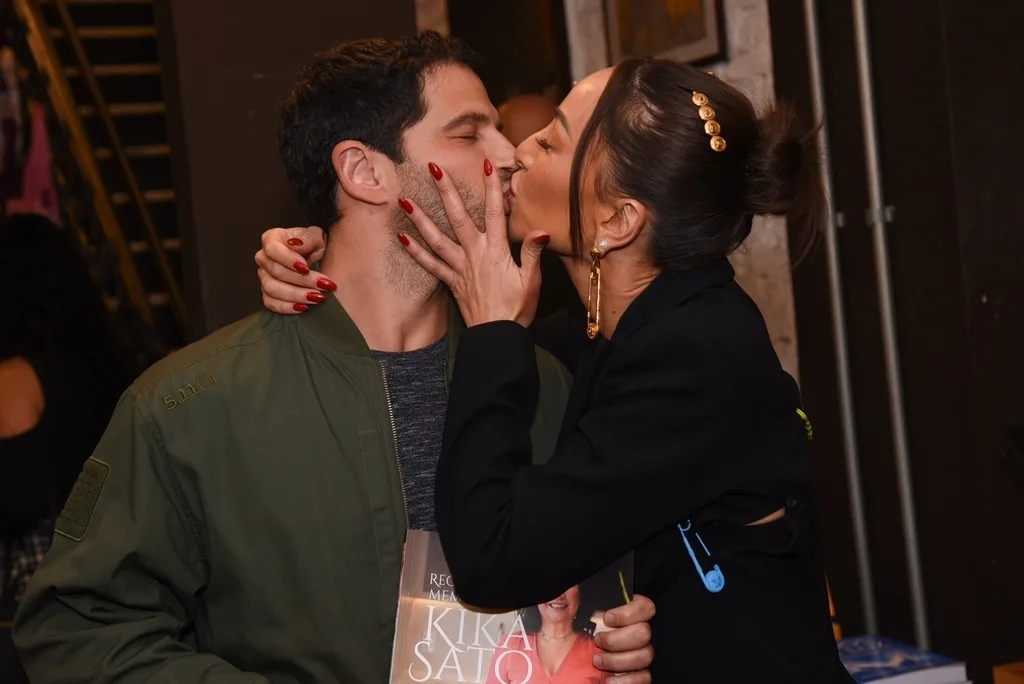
(523, 43)
(950, 149)
(227, 66)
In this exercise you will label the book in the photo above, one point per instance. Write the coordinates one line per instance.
(440, 639)
(880, 660)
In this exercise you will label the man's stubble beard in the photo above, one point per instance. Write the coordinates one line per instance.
(418, 186)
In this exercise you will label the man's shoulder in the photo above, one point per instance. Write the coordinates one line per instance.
(554, 376)
(227, 350)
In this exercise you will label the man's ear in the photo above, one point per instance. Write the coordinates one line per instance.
(623, 224)
(363, 174)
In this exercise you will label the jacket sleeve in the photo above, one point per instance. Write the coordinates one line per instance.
(516, 534)
(116, 594)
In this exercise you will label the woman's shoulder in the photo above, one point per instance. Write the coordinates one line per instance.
(22, 400)
(714, 320)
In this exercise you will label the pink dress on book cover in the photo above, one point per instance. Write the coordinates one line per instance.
(522, 665)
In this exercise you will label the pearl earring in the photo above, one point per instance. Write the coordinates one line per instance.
(603, 244)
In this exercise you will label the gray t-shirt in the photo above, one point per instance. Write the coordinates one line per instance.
(417, 383)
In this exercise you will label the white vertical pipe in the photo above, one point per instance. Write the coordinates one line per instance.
(892, 363)
(835, 281)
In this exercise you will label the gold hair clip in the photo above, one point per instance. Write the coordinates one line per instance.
(711, 127)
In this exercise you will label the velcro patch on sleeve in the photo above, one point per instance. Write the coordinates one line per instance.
(74, 519)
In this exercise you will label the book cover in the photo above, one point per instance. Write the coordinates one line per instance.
(880, 660)
(439, 639)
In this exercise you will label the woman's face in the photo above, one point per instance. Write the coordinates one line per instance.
(561, 609)
(539, 199)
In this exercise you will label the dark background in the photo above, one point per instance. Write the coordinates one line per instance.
(951, 145)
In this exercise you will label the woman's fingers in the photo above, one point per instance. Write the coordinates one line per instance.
(273, 258)
(442, 245)
(308, 242)
(430, 263)
(530, 253)
(494, 205)
(466, 232)
(283, 298)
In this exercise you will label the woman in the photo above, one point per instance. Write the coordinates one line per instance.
(559, 647)
(60, 376)
(681, 416)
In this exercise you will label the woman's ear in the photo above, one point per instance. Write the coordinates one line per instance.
(623, 224)
(361, 173)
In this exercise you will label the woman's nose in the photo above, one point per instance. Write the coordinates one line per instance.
(524, 155)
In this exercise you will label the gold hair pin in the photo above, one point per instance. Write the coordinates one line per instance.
(711, 127)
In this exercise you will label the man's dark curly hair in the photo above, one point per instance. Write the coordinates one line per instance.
(367, 90)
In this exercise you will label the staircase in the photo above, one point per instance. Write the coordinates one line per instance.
(100, 65)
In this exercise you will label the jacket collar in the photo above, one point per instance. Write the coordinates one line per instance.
(331, 324)
(667, 291)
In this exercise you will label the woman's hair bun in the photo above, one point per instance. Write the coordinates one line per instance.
(784, 172)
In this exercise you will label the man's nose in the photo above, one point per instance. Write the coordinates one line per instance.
(504, 155)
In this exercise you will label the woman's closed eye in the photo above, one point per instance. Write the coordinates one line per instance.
(544, 144)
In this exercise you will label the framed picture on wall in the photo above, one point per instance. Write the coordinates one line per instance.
(689, 31)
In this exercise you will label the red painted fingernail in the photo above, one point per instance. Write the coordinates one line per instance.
(295, 242)
(435, 171)
(488, 169)
(541, 239)
(406, 205)
(315, 297)
(301, 267)
(300, 307)
(326, 284)
(404, 239)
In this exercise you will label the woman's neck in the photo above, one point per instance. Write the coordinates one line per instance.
(623, 278)
(556, 631)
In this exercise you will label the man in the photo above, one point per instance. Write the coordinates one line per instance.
(242, 518)
(524, 115)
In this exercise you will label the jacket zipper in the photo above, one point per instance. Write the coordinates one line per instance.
(394, 441)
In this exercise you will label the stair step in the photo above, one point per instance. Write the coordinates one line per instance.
(142, 246)
(126, 109)
(108, 32)
(135, 152)
(101, 70)
(151, 196)
(100, 2)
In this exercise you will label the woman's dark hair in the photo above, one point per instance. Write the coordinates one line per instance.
(646, 140)
(581, 622)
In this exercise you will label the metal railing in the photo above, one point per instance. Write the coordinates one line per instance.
(39, 40)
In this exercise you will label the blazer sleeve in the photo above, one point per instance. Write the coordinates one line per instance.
(643, 456)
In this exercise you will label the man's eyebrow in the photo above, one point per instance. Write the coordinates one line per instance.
(467, 118)
(560, 115)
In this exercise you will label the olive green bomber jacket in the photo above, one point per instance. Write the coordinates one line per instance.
(242, 518)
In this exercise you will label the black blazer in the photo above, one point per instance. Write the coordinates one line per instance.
(684, 416)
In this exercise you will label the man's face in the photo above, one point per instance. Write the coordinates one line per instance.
(458, 132)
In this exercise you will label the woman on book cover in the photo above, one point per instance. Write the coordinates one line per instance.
(559, 646)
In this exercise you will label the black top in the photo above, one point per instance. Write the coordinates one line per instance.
(39, 468)
(684, 415)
